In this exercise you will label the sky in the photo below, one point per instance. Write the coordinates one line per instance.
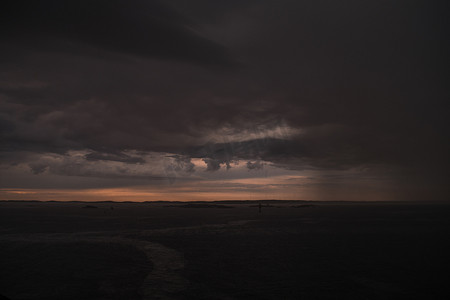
(224, 100)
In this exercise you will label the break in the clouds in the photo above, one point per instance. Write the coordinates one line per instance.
(98, 89)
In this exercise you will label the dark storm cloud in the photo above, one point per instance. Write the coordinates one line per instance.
(144, 28)
(257, 165)
(78, 163)
(38, 168)
(366, 82)
(181, 164)
(212, 164)
(120, 157)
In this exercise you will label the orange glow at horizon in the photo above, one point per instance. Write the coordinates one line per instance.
(129, 194)
(282, 187)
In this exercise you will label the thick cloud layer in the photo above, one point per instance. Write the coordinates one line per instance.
(143, 28)
(317, 85)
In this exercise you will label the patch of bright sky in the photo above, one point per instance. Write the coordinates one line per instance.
(230, 134)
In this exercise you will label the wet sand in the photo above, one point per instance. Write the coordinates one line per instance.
(291, 250)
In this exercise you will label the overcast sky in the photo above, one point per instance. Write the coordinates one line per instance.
(214, 100)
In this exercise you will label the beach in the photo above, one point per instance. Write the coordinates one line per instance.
(224, 250)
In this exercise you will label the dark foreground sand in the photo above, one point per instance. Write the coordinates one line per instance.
(291, 250)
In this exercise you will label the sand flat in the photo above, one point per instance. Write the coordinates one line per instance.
(289, 250)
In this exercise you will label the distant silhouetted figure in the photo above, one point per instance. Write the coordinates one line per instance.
(90, 206)
(259, 206)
